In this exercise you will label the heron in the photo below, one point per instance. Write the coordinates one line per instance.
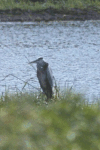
(44, 76)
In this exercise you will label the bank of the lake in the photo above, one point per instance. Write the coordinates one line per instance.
(49, 14)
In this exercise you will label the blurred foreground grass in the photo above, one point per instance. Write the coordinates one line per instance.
(40, 5)
(27, 123)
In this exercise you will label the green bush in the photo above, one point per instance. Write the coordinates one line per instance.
(27, 122)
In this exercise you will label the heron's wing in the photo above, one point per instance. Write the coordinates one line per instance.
(42, 79)
(49, 76)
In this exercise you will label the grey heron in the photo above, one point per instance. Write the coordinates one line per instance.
(44, 76)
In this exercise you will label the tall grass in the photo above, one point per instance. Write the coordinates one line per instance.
(56, 4)
(27, 122)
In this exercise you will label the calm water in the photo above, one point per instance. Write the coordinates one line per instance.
(71, 48)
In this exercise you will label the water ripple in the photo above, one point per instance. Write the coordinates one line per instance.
(72, 49)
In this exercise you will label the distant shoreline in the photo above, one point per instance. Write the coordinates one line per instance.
(18, 15)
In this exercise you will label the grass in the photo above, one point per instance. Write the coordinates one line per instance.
(27, 122)
(55, 4)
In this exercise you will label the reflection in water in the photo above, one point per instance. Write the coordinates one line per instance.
(71, 48)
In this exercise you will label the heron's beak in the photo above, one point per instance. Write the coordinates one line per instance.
(33, 62)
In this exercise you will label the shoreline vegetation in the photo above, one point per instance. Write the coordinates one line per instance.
(27, 122)
(49, 10)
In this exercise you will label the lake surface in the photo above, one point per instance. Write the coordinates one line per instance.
(71, 48)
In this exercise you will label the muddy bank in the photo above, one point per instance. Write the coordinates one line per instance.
(48, 15)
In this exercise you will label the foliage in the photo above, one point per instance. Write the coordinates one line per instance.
(34, 5)
(27, 122)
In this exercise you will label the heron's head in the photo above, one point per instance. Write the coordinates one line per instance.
(41, 64)
(39, 60)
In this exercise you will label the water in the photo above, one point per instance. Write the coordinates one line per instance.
(71, 48)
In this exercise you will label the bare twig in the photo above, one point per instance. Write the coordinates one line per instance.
(30, 64)
(20, 80)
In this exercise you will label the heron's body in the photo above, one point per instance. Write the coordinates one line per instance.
(44, 76)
